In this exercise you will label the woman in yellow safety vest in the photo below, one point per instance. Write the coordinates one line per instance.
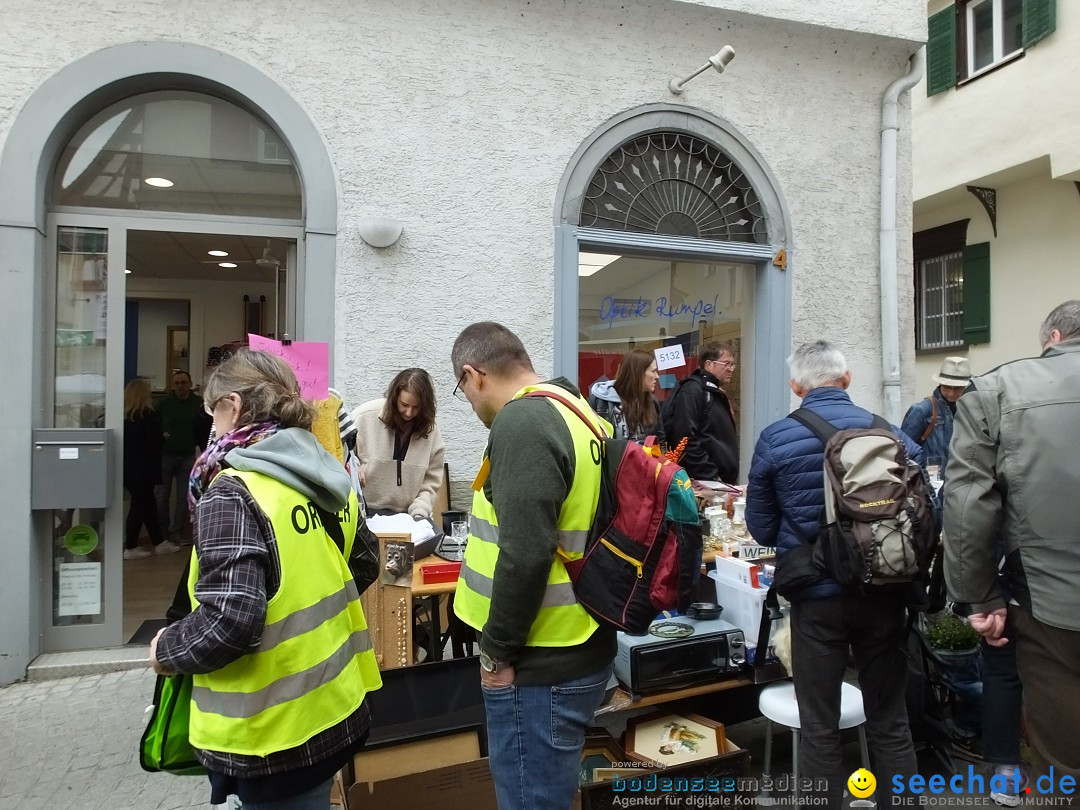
(277, 643)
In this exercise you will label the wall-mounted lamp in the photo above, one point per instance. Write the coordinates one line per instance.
(718, 61)
(379, 232)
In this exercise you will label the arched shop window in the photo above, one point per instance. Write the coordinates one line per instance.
(179, 152)
(675, 184)
(668, 184)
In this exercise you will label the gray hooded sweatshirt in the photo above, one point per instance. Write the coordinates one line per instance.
(294, 457)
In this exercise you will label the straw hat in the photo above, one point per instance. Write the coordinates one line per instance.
(954, 372)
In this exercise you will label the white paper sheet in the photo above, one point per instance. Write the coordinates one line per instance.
(401, 523)
(79, 589)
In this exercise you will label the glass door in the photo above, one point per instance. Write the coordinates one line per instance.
(82, 380)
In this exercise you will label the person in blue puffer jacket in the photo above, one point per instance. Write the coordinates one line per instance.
(784, 502)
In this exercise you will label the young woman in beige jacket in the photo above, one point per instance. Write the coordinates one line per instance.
(400, 447)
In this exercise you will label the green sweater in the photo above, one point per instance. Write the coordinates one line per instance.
(532, 468)
(178, 421)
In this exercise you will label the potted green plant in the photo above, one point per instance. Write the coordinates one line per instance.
(953, 640)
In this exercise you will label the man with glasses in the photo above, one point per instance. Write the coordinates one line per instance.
(179, 410)
(545, 662)
(699, 409)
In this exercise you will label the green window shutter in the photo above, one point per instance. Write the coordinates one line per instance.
(1040, 20)
(941, 52)
(977, 293)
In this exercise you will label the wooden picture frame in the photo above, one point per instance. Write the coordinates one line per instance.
(601, 753)
(673, 739)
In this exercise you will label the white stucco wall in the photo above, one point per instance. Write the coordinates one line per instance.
(1020, 112)
(459, 119)
(899, 18)
(1032, 267)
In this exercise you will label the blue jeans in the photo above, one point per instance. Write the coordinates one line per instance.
(535, 738)
(318, 798)
(966, 682)
(174, 469)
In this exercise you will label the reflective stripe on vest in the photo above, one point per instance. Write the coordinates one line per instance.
(314, 662)
(561, 621)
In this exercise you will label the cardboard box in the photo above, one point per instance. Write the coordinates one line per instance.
(466, 786)
(426, 747)
(724, 770)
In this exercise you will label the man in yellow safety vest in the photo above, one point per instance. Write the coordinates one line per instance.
(545, 662)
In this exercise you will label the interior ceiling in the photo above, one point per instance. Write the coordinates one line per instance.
(184, 256)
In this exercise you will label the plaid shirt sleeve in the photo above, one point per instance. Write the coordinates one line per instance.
(238, 571)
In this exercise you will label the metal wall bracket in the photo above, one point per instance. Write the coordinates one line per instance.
(988, 198)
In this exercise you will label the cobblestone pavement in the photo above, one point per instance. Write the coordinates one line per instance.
(72, 743)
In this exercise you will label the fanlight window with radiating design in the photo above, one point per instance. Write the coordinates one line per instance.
(675, 184)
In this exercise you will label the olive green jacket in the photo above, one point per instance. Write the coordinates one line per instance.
(1014, 468)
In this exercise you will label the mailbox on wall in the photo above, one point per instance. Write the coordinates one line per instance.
(71, 468)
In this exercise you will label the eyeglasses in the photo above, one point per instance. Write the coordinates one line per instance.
(457, 393)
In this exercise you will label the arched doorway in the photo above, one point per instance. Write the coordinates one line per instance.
(140, 157)
(671, 233)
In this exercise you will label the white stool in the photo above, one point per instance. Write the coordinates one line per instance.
(777, 704)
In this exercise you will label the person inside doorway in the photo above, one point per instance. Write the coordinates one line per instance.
(142, 471)
(629, 402)
(177, 410)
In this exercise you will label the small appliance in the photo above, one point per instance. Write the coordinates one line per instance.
(679, 651)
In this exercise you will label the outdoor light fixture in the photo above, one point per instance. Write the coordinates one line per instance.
(379, 232)
(158, 182)
(719, 61)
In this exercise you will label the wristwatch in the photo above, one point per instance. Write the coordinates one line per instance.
(489, 664)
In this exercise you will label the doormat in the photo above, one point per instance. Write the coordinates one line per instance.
(147, 630)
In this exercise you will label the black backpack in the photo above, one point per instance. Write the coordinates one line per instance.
(877, 529)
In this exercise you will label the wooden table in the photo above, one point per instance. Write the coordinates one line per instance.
(622, 700)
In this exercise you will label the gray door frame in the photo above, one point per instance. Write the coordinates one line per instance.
(109, 633)
(47, 120)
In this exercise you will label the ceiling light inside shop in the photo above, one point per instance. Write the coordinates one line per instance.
(226, 264)
(159, 182)
(589, 263)
(217, 253)
(127, 271)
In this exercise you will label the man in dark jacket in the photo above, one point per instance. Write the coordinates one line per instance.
(700, 410)
(784, 502)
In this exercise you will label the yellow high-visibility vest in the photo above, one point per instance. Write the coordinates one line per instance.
(314, 662)
(561, 622)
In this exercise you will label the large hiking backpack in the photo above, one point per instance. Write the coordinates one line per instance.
(645, 541)
(877, 530)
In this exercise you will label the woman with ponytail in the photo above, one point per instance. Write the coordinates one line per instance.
(277, 643)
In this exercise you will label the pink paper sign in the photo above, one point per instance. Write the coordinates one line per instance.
(309, 361)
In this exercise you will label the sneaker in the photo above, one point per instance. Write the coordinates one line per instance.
(1007, 798)
(166, 547)
(969, 748)
(135, 553)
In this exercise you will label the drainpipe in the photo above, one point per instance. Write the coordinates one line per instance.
(890, 313)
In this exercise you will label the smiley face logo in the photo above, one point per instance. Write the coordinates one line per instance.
(861, 783)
